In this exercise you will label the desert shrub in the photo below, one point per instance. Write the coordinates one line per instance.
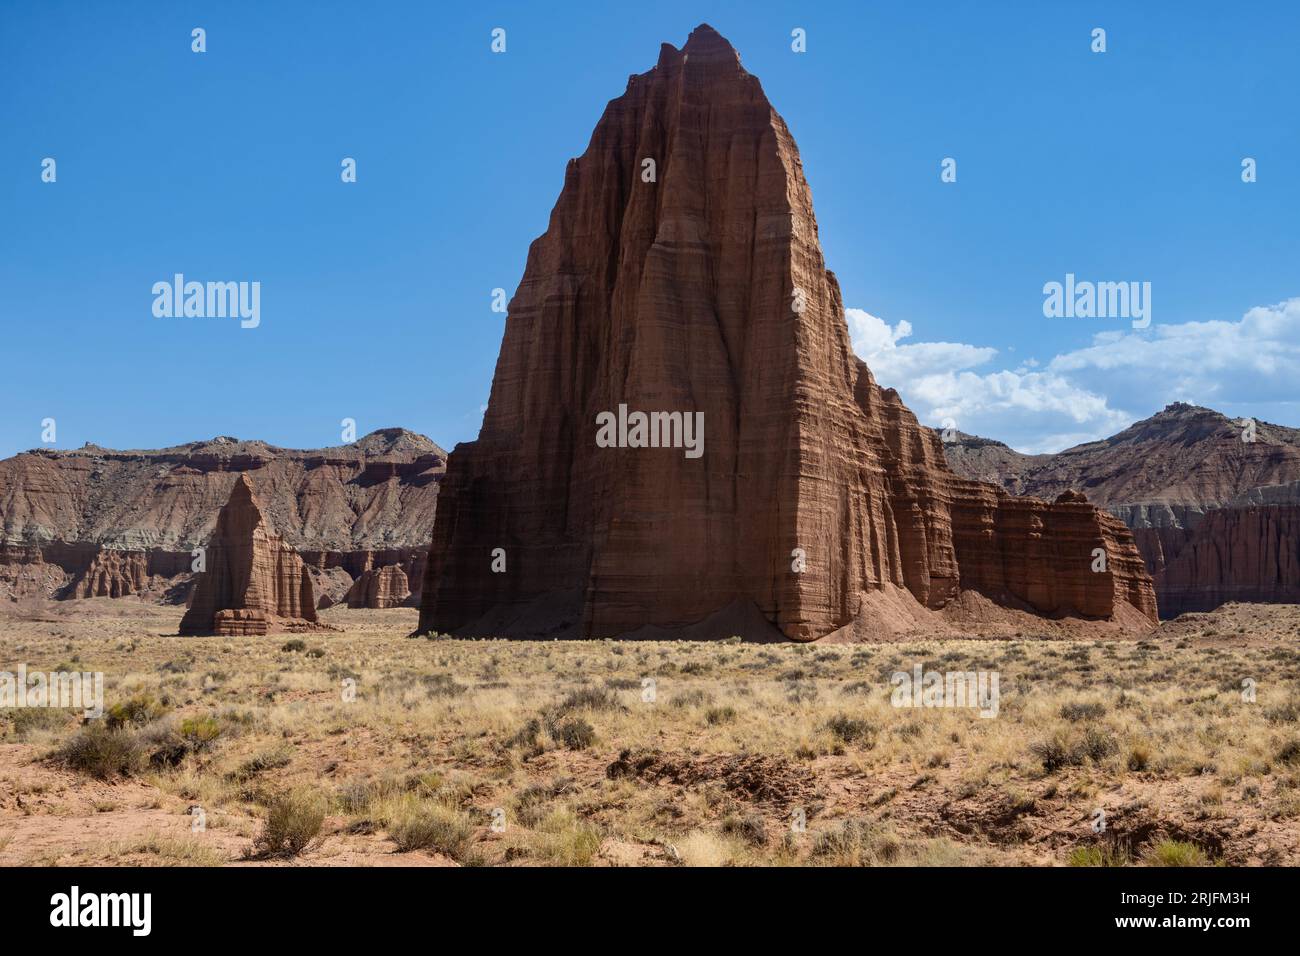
(1097, 744)
(719, 715)
(442, 685)
(297, 645)
(1082, 710)
(590, 698)
(316, 653)
(272, 759)
(102, 752)
(1175, 853)
(199, 733)
(1139, 757)
(30, 720)
(135, 711)
(575, 733)
(432, 827)
(695, 697)
(857, 843)
(749, 828)
(851, 730)
(1053, 753)
(293, 823)
(1101, 855)
(564, 840)
(1289, 752)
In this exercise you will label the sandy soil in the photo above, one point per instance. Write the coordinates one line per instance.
(503, 753)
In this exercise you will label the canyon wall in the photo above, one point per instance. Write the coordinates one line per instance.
(94, 522)
(1214, 506)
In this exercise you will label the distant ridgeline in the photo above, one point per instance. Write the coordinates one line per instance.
(1213, 502)
(101, 523)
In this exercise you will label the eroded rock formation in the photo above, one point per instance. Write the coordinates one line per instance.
(1249, 553)
(1214, 505)
(253, 581)
(702, 289)
(380, 588)
(101, 523)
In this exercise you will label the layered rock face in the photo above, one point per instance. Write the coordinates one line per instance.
(1230, 554)
(254, 581)
(86, 570)
(1215, 517)
(704, 293)
(100, 523)
(380, 588)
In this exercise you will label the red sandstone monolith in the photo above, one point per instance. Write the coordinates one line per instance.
(681, 273)
(253, 582)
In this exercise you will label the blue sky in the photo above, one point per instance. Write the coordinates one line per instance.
(1124, 165)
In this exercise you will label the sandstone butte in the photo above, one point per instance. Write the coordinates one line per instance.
(379, 588)
(1216, 517)
(254, 582)
(680, 294)
(96, 522)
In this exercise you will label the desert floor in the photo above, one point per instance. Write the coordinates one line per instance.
(245, 752)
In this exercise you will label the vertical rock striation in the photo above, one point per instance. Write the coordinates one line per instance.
(705, 291)
(253, 581)
(379, 588)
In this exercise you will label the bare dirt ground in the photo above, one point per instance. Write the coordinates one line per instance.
(502, 753)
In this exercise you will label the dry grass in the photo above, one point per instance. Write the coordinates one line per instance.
(501, 753)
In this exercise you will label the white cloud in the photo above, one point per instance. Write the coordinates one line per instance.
(1249, 366)
(1030, 410)
(1252, 361)
(876, 343)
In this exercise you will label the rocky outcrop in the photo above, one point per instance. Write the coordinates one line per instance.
(60, 570)
(380, 588)
(356, 563)
(1214, 506)
(100, 523)
(1230, 554)
(701, 291)
(1184, 456)
(331, 585)
(253, 579)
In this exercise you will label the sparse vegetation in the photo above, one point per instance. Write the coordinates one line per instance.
(431, 826)
(102, 752)
(292, 825)
(1175, 853)
(558, 738)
